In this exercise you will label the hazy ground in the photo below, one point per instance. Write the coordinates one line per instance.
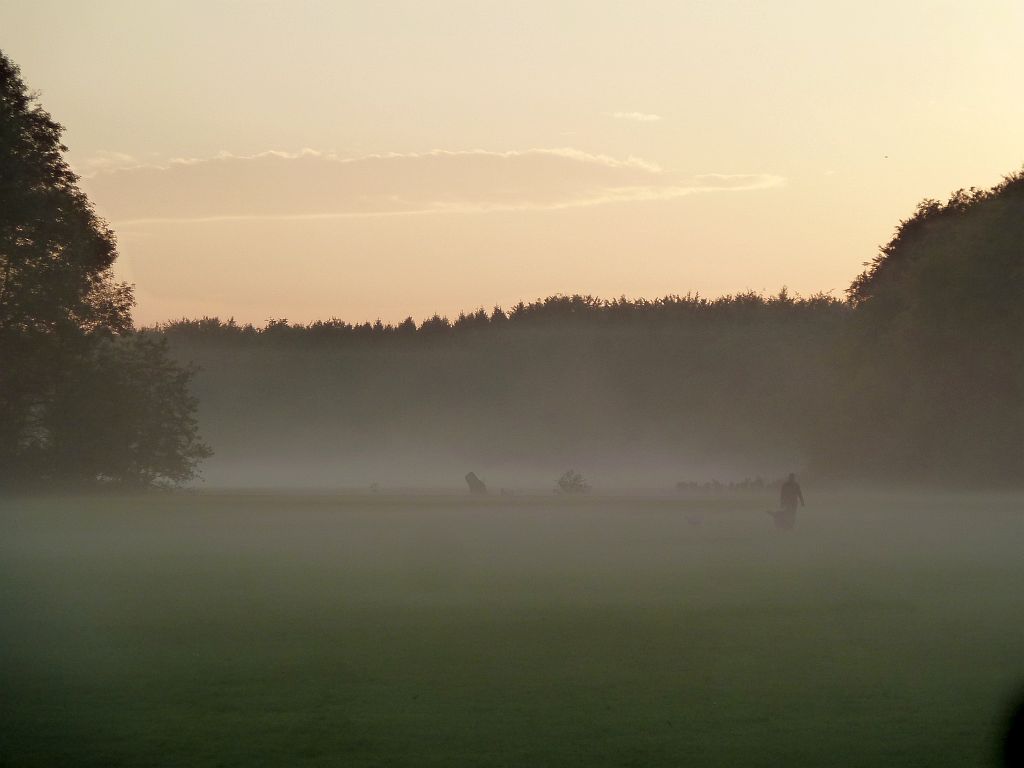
(534, 631)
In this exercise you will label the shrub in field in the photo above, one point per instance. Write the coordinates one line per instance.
(572, 482)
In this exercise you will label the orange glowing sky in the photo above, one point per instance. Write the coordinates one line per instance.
(381, 159)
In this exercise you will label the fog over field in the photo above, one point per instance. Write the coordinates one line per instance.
(433, 630)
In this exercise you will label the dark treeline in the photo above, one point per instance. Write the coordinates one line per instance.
(915, 376)
(564, 311)
(634, 389)
(623, 385)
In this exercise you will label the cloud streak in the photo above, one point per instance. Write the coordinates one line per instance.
(310, 184)
(105, 160)
(636, 117)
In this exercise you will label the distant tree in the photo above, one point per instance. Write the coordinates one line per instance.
(59, 301)
(477, 320)
(406, 328)
(435, 326)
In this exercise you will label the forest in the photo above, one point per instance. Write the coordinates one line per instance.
(916, 375)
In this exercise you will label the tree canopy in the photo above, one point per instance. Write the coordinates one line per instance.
(64, 317)
(936, 347)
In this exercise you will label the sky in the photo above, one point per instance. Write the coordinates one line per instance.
(378, 160)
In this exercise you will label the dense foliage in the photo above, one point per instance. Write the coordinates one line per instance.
(936, 350)
(80, 400)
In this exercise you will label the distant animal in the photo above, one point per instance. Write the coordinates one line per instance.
(476, 485)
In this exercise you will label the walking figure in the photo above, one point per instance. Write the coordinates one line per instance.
(789, 496)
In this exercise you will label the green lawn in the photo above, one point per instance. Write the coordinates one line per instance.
(281, 630)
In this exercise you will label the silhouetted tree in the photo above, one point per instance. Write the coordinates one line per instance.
(59, 306)
(125, 415)
(936, 349)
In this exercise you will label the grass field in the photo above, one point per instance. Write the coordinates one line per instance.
(279, 630)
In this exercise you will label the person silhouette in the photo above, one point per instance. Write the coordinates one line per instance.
(789, 496)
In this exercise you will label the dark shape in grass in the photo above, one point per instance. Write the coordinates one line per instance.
(572, 482)
(476, 485)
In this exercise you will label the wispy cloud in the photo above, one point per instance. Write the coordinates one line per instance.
(311, 184)
(105, 160)
(636, 117)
